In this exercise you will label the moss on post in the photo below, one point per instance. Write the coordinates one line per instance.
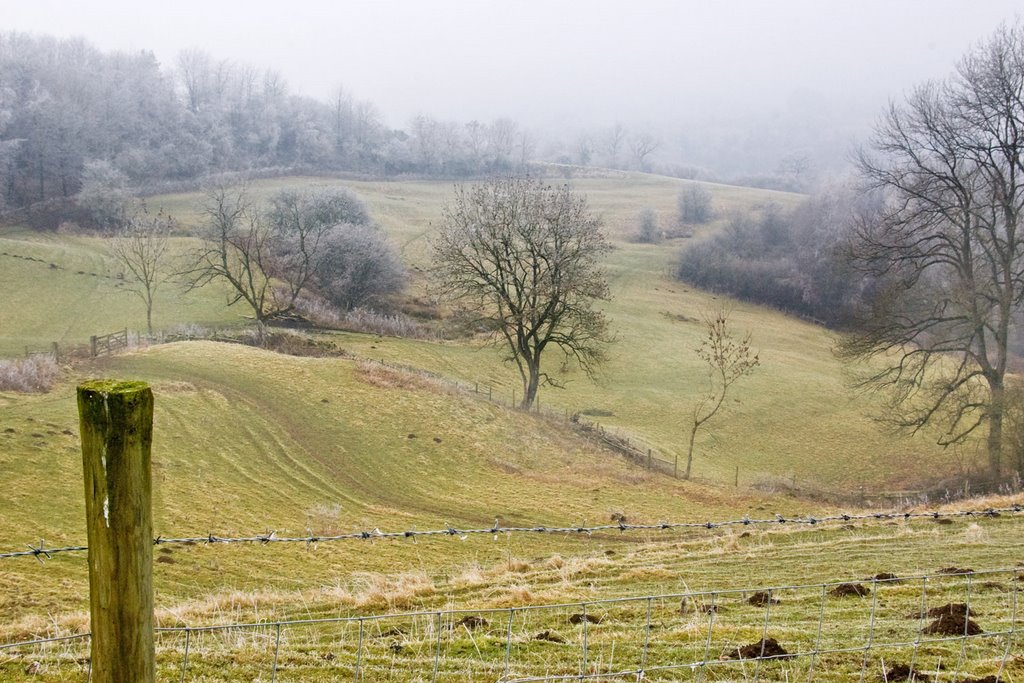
(117, 434)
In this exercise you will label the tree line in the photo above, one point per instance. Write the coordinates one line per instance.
(795, 260)
(72, 116)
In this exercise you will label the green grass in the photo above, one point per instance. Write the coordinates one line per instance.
(248, 441)
(64, 289)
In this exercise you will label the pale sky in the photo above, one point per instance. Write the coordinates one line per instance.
(545, 63)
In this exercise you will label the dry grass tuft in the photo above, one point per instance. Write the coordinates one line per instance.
(658, 573)
(384, 377)
(397, 592)
(472, 576)
(36, 374)
(975, 534)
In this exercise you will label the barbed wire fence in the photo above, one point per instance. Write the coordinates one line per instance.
(41, 552)
(953, 625)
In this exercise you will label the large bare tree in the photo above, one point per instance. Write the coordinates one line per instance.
(949, 244)
(526, 259)
(237, 249)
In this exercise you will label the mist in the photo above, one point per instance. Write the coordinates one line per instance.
(732, 86)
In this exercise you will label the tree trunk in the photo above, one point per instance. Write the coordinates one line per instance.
(689, 453)
(995, 430)
(530, 384)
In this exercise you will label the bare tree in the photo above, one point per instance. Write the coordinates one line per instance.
(584, 149)
(237, 248)
(525, 258)
(319, 240)
(728, 359)
(950, 245)
(359, 268)
(613, 139)
(142, 248)
(643, 145)
(301, 224)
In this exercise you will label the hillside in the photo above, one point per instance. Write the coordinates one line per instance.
(248, 442)
(64, 288)
(794, 424)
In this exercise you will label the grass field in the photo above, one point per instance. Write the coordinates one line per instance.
(249, 441)
(794, 424)
(60, 288)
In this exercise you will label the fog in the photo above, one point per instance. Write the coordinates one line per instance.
(813, 74)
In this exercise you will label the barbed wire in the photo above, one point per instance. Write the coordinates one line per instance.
(41, 552)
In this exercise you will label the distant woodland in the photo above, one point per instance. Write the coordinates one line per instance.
(71, 116)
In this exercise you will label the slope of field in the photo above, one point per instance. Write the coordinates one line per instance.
(247, 440)
(794, 424)
(60, 288)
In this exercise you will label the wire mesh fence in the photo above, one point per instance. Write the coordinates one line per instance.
(953, 625)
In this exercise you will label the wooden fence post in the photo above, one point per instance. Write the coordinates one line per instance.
(116, 420)
(56, 352)
(92, 342)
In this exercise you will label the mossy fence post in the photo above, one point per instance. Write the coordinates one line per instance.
(117, 434)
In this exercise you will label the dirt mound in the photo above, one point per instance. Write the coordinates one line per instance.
(953, 609)
(762, 598)
(844, 590)
(769, 647)
(549, 636)
(886, 577)
(902, 672)
(953, 625)
(955, 571)
(589, 618)
(471, 622)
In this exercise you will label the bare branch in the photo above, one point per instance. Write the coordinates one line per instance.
(524, 258)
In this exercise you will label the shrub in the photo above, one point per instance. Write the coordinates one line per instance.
(33, 374)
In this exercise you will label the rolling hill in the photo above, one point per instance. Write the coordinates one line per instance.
(249, 442)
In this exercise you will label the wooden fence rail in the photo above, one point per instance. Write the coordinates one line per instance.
(106, 344)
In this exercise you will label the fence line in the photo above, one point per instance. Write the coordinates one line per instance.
(650, 637)
(41, 552)
(647, 455)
